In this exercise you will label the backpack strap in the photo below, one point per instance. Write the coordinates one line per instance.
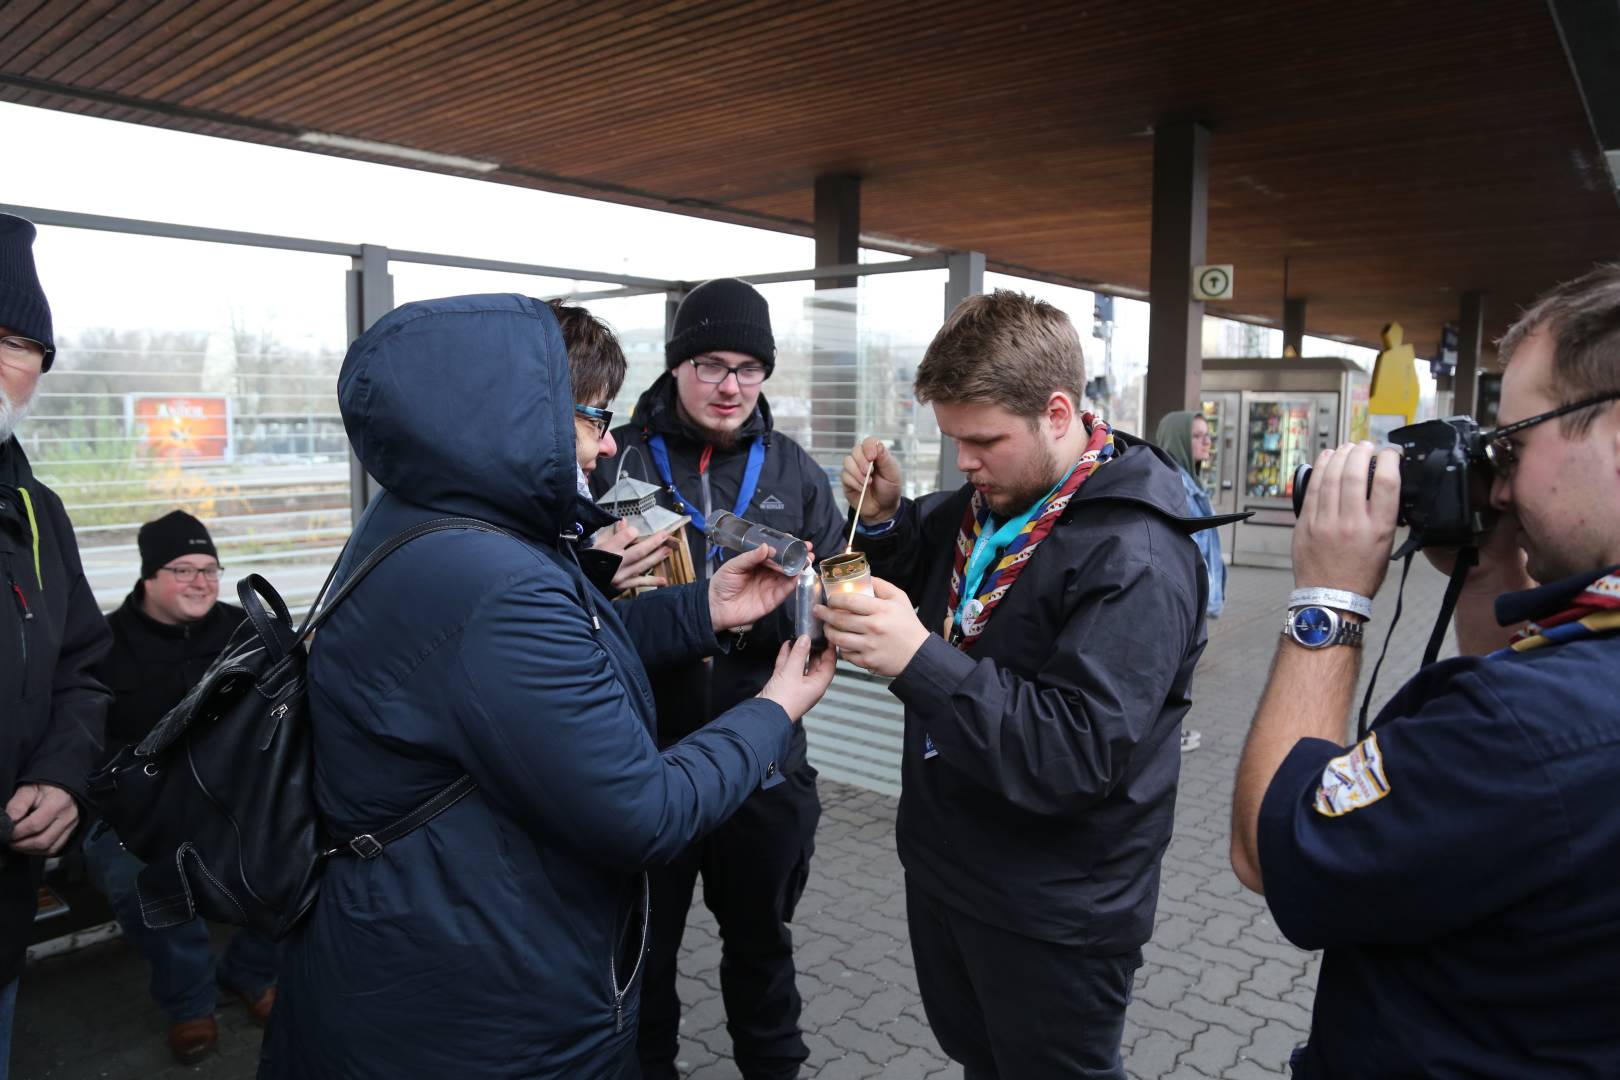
(323, 608)
(370, 845)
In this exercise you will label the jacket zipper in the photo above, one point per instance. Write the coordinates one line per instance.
(24, 617)
(641, 953)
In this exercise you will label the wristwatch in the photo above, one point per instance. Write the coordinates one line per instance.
(1316, 627)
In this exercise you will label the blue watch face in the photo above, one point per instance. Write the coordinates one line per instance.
(1313, 626)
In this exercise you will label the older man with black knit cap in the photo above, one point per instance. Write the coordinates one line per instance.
(703, 432)
(51, 632)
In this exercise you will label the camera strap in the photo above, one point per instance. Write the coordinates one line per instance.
(1467, 559)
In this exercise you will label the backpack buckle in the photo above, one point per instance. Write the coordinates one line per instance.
(366, 846)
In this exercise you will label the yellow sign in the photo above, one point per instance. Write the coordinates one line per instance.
(1394, 383)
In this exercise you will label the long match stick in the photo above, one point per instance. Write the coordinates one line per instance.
(855, 520)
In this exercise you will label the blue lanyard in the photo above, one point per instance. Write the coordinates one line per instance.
(988, 544)
(745, 494)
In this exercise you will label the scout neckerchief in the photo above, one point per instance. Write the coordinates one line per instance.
(1595, 610)
(745, 494)
(977, 586)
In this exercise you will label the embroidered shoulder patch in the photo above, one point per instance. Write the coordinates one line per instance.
(1353, 781)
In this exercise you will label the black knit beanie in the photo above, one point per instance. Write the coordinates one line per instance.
(23, 308)
(723, 315)
(174, 534)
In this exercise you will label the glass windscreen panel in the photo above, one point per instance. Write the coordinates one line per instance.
(1279, 441)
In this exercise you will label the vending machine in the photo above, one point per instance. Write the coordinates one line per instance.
(1268, 416)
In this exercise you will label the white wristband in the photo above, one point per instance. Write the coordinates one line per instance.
(1338, 599)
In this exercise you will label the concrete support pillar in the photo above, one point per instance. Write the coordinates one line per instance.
(966, 279)
(371, 296)
(1180, 222)
(1294, 325)
(1470, 336)
(834, 364)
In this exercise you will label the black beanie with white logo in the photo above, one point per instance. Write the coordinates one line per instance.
(169, 537)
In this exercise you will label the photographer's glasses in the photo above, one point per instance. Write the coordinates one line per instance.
(1504, 455)
(600, 419)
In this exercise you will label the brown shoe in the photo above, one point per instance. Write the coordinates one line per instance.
(259, 1007)
(192, 1040)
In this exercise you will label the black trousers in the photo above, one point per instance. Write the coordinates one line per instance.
(1009, 1006)
(753, 868)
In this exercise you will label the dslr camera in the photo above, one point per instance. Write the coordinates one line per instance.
(1445, 482)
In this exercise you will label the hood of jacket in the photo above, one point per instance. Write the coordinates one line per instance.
(1141, 473)
(657, 411)
(463, 405)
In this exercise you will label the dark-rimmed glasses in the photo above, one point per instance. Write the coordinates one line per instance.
(600, 419)
(185, 575)
(22, 352)
(710, 370)
(1504, 456)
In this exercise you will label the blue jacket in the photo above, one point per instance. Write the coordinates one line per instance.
(504, 938)
(1208, 541)
(1461, 868)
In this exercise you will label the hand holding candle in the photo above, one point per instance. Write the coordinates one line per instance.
(870, 621)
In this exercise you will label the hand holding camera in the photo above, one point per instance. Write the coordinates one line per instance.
(1345, 533)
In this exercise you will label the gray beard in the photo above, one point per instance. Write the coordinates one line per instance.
(12, 415)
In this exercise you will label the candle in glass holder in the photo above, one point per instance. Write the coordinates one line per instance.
(847, 573)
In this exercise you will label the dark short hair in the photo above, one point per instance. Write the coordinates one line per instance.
(1583, 318)
(1004, 348)
(596, 363)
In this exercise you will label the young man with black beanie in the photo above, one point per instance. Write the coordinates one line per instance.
(703, 432)
(168, 631)
(51, 633)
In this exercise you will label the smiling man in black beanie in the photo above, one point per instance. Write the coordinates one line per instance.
(168, 631)
(51, 706)
(706, 430)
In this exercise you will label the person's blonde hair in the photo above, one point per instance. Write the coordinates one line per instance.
(1004, 348)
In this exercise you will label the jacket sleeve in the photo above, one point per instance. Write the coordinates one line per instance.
(73, 739)
(670, 625)
(902, 553)
(550, 731)
(1061, 740)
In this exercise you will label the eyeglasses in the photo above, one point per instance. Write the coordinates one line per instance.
(1500, 450)
(600, 419)
(21, 352)
(185, 575)
(713, 371)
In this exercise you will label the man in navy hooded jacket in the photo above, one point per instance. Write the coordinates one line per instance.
(505, 937)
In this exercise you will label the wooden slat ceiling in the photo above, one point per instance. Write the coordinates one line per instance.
(1399, 152)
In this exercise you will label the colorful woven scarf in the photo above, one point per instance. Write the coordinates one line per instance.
(1595, 610)
(1000, 576)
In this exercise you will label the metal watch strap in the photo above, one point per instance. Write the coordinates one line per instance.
(1337, 599)
(1349, 632)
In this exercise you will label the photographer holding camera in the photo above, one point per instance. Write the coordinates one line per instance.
(1460, 865)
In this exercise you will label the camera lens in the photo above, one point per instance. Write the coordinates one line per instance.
(1302, 479)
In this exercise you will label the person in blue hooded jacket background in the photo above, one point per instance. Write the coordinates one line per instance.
(505, 937)
(1185, 436)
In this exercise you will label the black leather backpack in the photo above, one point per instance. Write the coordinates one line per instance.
(218, 800)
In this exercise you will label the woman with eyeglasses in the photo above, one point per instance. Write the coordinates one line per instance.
(507, 935)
